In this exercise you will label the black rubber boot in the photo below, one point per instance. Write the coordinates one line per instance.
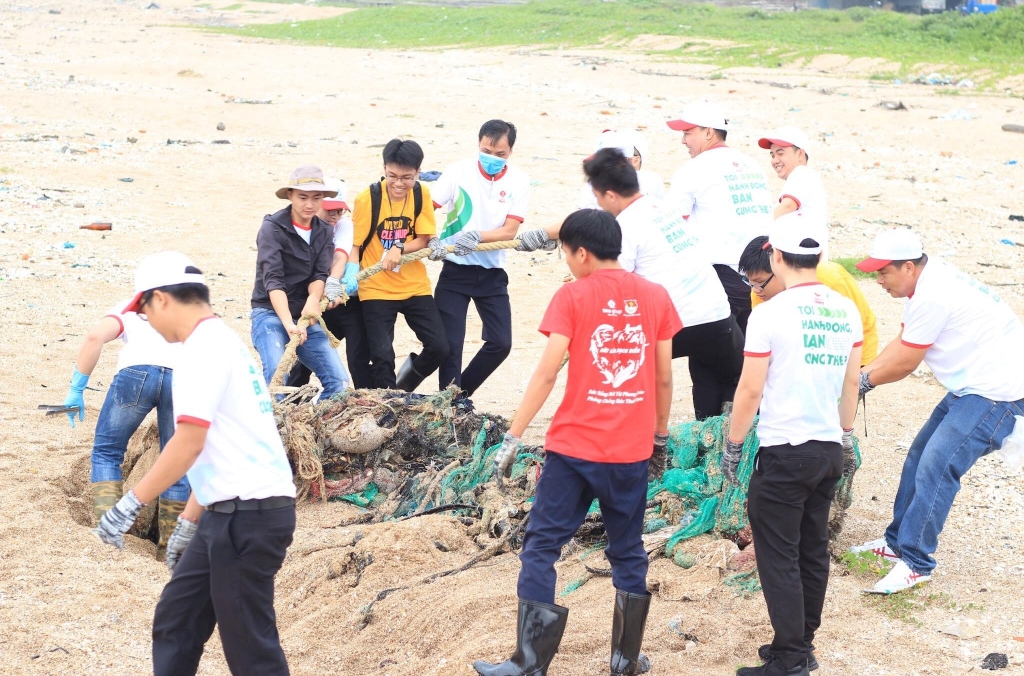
(628, 625)
(538, 634)
(408, 377)
(774, 666)
(764, 651)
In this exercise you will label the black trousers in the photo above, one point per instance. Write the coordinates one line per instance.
(345, 322)
(488, 289)
(788, 503)
(715, 352)
(225, 578)
(421, 315)
(738, 293)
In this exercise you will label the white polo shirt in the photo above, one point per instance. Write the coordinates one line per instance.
(807, 337)
(141, 345)
(218, 385)
(805, 187)
(660, 246)
(973, 339)
(477, 201)
(650, 185)
(726, 196)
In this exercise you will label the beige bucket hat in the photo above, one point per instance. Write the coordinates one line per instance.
(308, 179)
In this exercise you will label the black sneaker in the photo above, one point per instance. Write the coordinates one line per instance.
(764, 652)
(773, 666)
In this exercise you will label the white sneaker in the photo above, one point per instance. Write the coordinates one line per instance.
(900, 578)
(877, 547)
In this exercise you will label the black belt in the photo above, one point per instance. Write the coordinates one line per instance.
(236, 505)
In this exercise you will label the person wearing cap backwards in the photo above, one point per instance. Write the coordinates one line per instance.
(486, 200)
(802, 356)
(293, 260)
(232, 537)
(659, 245)
(145, 365)
(971, 340)
(724, 194)
(392, 218)
(804, 191)
(633, 145)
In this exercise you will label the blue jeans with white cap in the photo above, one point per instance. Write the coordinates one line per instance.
(270, 338)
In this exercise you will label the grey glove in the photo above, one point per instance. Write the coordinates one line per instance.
(849, 457)
(438, 251)
(179, 539)
(659, 459)
(466, 242)
(865, 384)
(333, 288)
(118, 520)
(505, 456)
(731, 459)
(531, 240)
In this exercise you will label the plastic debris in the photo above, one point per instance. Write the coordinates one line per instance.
(126, 180)
(1017, 217)
(256, 102)
(959, 114)
(220, 126)
(1015, 128)
(97, 226)
(995, 661)
(892, 105)
(69, 245)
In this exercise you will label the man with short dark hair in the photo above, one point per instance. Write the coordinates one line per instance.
(971, 340)
(392, 218)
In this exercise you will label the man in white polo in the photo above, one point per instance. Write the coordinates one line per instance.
(971, 340)
(724, 194)
(803, 192)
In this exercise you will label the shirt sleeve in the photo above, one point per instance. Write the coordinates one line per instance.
(115, 313)
(796, 187)
(923, 321)
(682, 194)
(560, 315)
(759, 338)
(269, 261)
(426, 223)
(361, 218)
(520, 201)
(343, 236)
(200, 380)
(443, 190)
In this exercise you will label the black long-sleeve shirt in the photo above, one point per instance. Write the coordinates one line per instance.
(285, 262)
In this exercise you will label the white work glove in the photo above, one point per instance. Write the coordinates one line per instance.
(865, 384)
(466, 242)
(333, 288)
(438, 251)
(659, 459)
(532, 240)
(731, 459)
(849, 457)
(179, 539)
(504, 458)
(118, 520)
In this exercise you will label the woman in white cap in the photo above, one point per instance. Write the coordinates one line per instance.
(804, 191)
(632, 144)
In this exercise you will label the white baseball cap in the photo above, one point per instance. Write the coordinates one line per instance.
(336, 186)
(789, 231)
(166, 268)
(785, 137)
(639, 142)
(616, 140)
(897, 244)
(699, 114)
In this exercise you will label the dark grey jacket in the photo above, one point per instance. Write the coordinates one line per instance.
(284, 261)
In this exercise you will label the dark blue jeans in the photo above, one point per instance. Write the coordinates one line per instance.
(566, 489)
(269, 338)
(959, 431)
(134, 392)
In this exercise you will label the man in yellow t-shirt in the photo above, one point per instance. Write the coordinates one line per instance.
(403, 225)
(755, 266)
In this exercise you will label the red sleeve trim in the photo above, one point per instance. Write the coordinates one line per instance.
(859, 343)
(337, 250)
(436, 205)
(119, 322)
(746, 353)
(916, 346)
(516, 218)
(193, 421)
(792, 198)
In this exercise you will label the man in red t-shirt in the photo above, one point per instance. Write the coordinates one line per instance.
(617, 328)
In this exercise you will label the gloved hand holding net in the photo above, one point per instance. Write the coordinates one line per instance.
(731, 456)
(505, 456)
(659, 459)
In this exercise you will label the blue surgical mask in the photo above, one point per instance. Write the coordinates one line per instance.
(491, 164)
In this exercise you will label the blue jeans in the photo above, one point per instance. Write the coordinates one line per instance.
(959, 431)
(134, 392)
(269, 338)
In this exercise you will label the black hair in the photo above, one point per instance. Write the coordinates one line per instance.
(756, 258)
(608, 169)
(721, 134)
(806, 156)
(803, 261)
(595, 230)
(188, 294)
(495, 130)
(407, 154)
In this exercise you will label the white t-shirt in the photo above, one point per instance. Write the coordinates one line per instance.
(660, 246)
(343, 234)
(807, 337)
(973, 338)
(304, 233)
(804, 186)
(726, 196)
(218, 385)
(650, 185)
(476, 201)
(141, 344)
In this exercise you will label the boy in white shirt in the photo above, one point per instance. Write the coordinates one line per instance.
(223, 559)
(804, 192)
(802, 356)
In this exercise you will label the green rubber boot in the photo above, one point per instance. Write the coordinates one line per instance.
(105, 495)
(167, 521)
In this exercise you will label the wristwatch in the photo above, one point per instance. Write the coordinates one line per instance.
(400, 246)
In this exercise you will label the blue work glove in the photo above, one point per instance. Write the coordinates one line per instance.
(75, 395)
(118, 520)
(179, 539)
(349, 278)
(466, 242)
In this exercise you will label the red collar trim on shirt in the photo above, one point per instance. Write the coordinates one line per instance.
(307, 228)
(496, 177)
(633, 201)
(797, 286)
(197, 326)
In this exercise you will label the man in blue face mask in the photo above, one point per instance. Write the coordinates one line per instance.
(486, 201)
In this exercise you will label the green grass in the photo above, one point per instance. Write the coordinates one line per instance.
(231, 8)
(865, 564)
(850, 265)
(992, 43)
(6, 170)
